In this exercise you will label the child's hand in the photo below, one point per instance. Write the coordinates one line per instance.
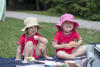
(67, 46)
(76, 45)
(73, 44)
(36, 37)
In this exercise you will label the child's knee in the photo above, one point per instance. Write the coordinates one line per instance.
(45, 41)
(41, 45)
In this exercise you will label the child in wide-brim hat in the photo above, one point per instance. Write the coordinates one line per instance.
(64, 38)
(31, 43)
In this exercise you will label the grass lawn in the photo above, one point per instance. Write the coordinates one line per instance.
(47, 13)
(10, 33)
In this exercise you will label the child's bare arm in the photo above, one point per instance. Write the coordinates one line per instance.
(56, 46)
(18, 52)
(78, 43)
(41, 39)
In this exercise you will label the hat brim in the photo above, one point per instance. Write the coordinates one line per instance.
(76, 25)
(23, 29)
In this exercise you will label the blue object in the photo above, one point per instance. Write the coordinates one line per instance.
(93, 55)
(10, 62)
(78, 60)
(96, 64)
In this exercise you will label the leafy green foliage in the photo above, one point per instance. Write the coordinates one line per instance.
(81, 8)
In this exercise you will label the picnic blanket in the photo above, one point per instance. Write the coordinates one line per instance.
(10, 62)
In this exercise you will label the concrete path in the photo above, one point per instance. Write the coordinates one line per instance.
(51, 19)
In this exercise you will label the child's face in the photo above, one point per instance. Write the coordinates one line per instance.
(32, 30)
(67, 26)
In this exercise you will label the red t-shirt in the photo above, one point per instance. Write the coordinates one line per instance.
(60, 37)
(21, 42)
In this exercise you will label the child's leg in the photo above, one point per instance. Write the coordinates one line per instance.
(41, 50)
(79, 51)
(64, 55)
(28, 50)
(38, 50)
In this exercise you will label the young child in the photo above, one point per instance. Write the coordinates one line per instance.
(31, 43)
(65, 35)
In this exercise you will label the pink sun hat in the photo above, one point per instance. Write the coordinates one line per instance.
(68, 17)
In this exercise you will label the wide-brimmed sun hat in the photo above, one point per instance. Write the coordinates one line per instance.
(29, 22)
(67, 17)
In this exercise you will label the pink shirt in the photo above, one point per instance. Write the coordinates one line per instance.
(21, 42)
(61, 38)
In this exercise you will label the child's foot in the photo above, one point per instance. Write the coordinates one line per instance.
(47, 57)
(25, 61)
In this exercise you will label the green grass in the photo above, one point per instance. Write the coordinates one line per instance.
(47, 13)
(10, 33)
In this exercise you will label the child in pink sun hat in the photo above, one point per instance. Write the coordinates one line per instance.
(68, 17)
(64, 38)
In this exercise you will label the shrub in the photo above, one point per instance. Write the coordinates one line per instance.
(95, 17)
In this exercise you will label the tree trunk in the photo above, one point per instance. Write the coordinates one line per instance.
(37, 5)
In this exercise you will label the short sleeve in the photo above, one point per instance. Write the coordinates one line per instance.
(21, 40)
(37, 34)
(56, 36)
(77, 36)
